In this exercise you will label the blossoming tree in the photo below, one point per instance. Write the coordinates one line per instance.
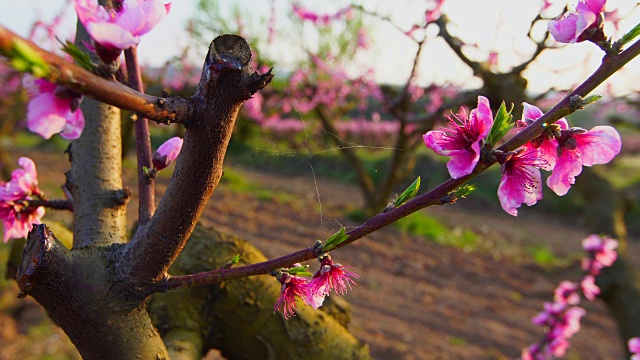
(99, 291)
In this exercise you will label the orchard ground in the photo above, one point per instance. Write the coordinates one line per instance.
(468, 292)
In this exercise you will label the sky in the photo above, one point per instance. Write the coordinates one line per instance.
(492, 25)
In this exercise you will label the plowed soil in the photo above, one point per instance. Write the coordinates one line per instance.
(416, 299)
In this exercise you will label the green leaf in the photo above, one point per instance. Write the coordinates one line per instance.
(501, 124)
(465, 190)
(632, 34)
(408, 194)
(590, 99)
(334, 240)
(26, 59)
(299, 271)
(235, 260)
(79, 57)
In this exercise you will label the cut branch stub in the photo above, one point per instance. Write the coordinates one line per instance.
(44, 258)
(226, 83)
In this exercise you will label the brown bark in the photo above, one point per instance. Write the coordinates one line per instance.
(97, 291)
(101, 314)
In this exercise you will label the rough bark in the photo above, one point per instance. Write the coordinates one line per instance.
(103, 316)
(194, 320)
(95, 178)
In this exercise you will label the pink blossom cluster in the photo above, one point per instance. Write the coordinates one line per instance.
(559, 149)
(15, 211)
(331, 276)
(372, 132)
(119, 28)
(321, 19)
(329, 86)
(53, 109)
(561, 318)
(579, 25)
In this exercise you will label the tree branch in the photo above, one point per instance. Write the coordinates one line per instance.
(225, 85)
(436, 196)
(146, 204)
(162, 110)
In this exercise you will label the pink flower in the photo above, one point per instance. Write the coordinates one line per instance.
(16, 214)
(580, 25)
(120, 28)
(167, 153)
(634, 348)
(567, 293)
(547, 146)
(603, 253)
(330, 276)
(52, 109)
(462, 138)
(292, 287)
(521, 181)
(589, 287)
(577, 148)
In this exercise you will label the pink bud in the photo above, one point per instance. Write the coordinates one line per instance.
(167, 153)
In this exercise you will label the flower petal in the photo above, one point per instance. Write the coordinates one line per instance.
(564, 173)
(46, 115)
(109, 34)
(563, 28)
(463, 163)
(599, 145)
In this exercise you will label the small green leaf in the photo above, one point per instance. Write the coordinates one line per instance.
(465, 190)
(632, 34)
(26, 59)
(299, 271)
(235, 260)
(501, 124)
(79, 57)
(334, 240)
(590, 99)
(408, 194)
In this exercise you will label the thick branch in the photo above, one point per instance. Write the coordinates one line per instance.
(225, 84)
(433, 197)
(158, 109)
(146, 204)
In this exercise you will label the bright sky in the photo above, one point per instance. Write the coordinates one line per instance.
(493, 25)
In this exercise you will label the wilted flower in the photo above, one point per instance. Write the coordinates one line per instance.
(330, 276)
(462, 138)
(52, 109)
(167, 153)
(16, 214)
(292, 287)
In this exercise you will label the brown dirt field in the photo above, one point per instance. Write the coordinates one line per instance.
(416, 299)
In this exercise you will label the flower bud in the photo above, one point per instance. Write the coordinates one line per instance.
(167, 153)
